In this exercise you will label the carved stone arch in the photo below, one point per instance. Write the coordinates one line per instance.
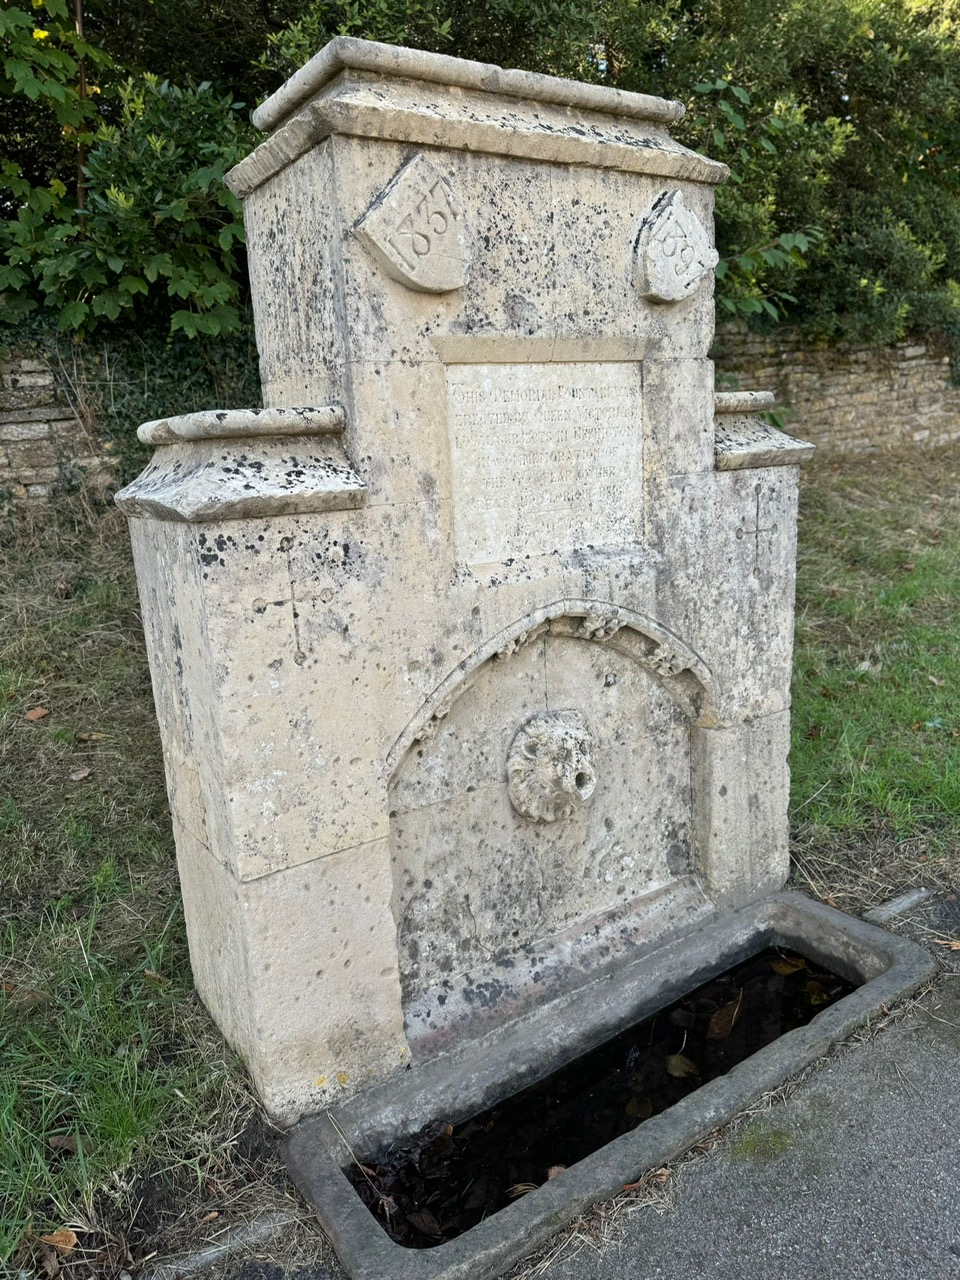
(682, 672)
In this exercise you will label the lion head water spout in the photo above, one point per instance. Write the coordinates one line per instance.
(550, 771)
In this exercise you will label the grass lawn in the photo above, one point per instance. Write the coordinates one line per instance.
(876, 698)
(123, 1119)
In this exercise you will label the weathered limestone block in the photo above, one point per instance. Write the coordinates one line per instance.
(17, 430)
(471, 650)
(26, 385)
(740, 824)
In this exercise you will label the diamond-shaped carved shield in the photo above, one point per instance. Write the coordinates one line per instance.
(673, 251)
(416, 230)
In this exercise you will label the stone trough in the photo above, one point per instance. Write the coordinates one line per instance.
(471, 649)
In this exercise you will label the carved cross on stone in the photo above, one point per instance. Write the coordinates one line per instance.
(745, 531)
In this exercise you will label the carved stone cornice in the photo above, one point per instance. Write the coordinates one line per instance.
(234, 464)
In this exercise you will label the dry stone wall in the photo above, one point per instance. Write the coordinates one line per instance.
(848, 398)
(43, 444)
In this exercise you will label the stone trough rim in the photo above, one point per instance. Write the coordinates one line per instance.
(315, 1149)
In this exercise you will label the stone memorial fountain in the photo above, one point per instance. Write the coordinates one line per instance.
(471, 649)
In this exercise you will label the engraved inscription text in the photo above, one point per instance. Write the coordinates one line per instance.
(546, 457)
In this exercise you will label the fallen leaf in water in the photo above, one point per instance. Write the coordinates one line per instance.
(785, 964)
(679, 1066)
(37, 713)
(64, 1241)
(816, 993)
(723, 1021)
(79, 774)
(639, 1108)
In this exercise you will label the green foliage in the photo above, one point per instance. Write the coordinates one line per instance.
(46, 117)
(837, 120)
(562, 37)
(159, 236)
(186, 42)
(866, 152)
(764, 251)
(160, 231)
(41, 60)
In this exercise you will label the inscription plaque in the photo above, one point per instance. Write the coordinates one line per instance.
(546, 457)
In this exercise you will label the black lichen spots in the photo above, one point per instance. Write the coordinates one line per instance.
(178, 649)
(483, 994)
